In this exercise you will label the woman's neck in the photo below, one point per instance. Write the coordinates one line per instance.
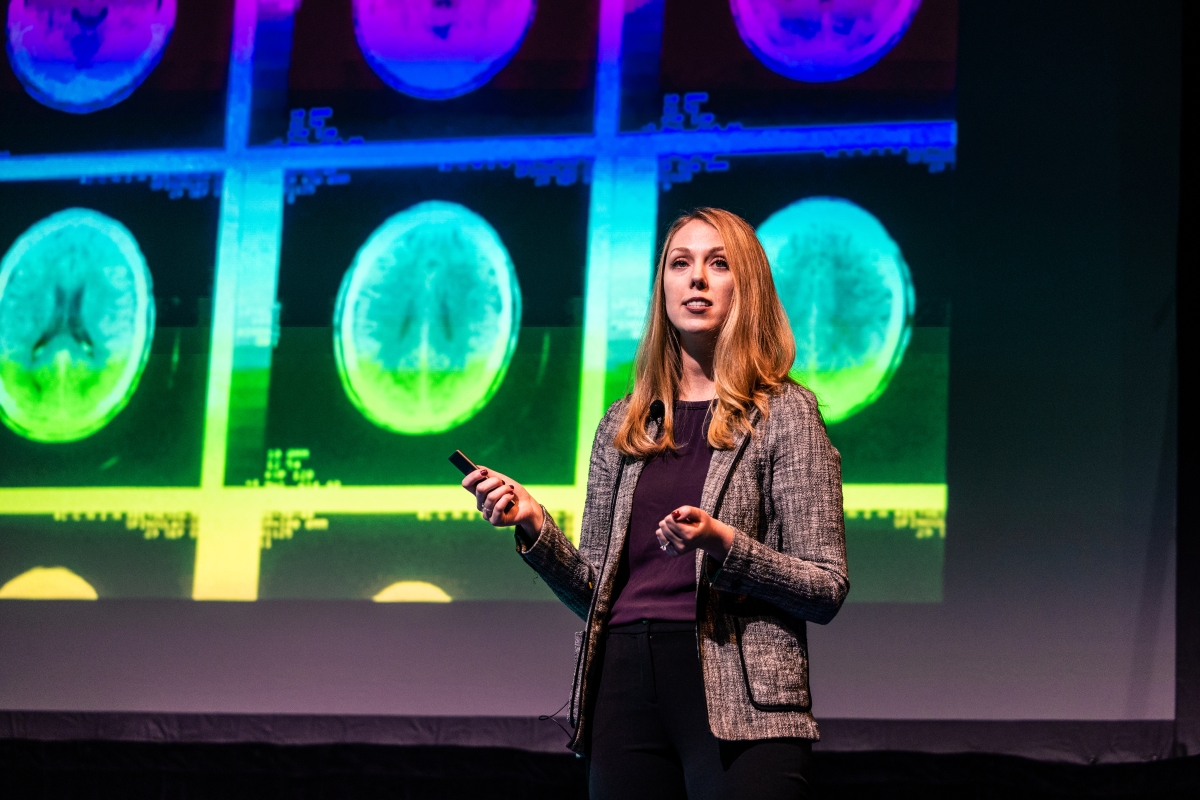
(696, 378)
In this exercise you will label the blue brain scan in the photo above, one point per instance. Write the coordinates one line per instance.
(81, 56)
(821, 40)
(438, 49)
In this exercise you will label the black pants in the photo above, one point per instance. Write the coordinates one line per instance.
(650, 736)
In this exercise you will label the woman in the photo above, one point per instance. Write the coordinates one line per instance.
(711, 534)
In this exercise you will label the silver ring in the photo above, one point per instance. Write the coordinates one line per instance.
(662, 547)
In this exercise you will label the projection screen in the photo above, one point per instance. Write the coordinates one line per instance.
(266, 264)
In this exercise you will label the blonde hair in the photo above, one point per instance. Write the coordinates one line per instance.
(754, 351)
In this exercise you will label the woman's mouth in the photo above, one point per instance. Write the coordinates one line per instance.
(697, 304)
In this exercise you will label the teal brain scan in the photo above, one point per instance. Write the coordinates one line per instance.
(427, 319)
(848, 295)
(76, 323)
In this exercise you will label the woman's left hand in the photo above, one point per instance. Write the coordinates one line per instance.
(688, 528)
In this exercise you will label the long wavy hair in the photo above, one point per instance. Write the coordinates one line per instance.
(754, 350)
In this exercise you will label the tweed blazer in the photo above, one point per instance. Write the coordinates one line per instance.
(780, 489)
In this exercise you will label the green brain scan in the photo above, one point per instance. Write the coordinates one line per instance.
(76, 323)
(427, 319)
(848, 295)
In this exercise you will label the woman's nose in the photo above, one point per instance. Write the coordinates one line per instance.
(699, 279)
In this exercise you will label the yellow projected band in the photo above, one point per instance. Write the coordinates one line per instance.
(234, 523)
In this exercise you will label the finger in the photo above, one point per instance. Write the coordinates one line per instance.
(487, 508)
(473, 477)
(489, 483)
(515, 501)
(486, 487)
(505, 504)
(687, 514)
(497, 515)
(505, 499)
(491, 473)
(495, 494)
(670, 542)
(663, 541)
(684, 528)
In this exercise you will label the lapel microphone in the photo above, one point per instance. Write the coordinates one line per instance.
(657, 410)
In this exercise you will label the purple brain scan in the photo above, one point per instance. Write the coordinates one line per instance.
(818, 41)
(438, 49)
(81, 56)
(276, 9)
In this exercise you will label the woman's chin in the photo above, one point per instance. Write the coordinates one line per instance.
(697, 325)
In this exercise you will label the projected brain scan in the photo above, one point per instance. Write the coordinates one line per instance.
(81, 56)
(821, 40)
(438, 49)
(427, 319)
(848, 295)
(276, 9)
(76, 323)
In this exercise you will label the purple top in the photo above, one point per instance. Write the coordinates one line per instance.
(652, 584)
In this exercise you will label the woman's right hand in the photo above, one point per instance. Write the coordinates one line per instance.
(503, 501)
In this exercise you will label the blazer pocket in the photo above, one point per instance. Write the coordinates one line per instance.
(774, 664)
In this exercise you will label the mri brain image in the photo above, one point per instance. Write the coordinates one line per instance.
(426, 319)
(76, 324)
(848, 295)
(438, 49)
(821, 40)
(81, 56)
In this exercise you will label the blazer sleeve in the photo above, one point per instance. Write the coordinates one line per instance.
(807, 577)
(568, 571)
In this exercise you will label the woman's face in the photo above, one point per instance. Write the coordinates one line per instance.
(697, 284)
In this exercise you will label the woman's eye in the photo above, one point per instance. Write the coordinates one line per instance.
(721, 263)
(679, 262)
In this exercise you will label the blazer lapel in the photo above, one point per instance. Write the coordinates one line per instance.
(719, 469)
(622, 510)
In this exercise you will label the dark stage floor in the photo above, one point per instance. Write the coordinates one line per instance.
(131, 771)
